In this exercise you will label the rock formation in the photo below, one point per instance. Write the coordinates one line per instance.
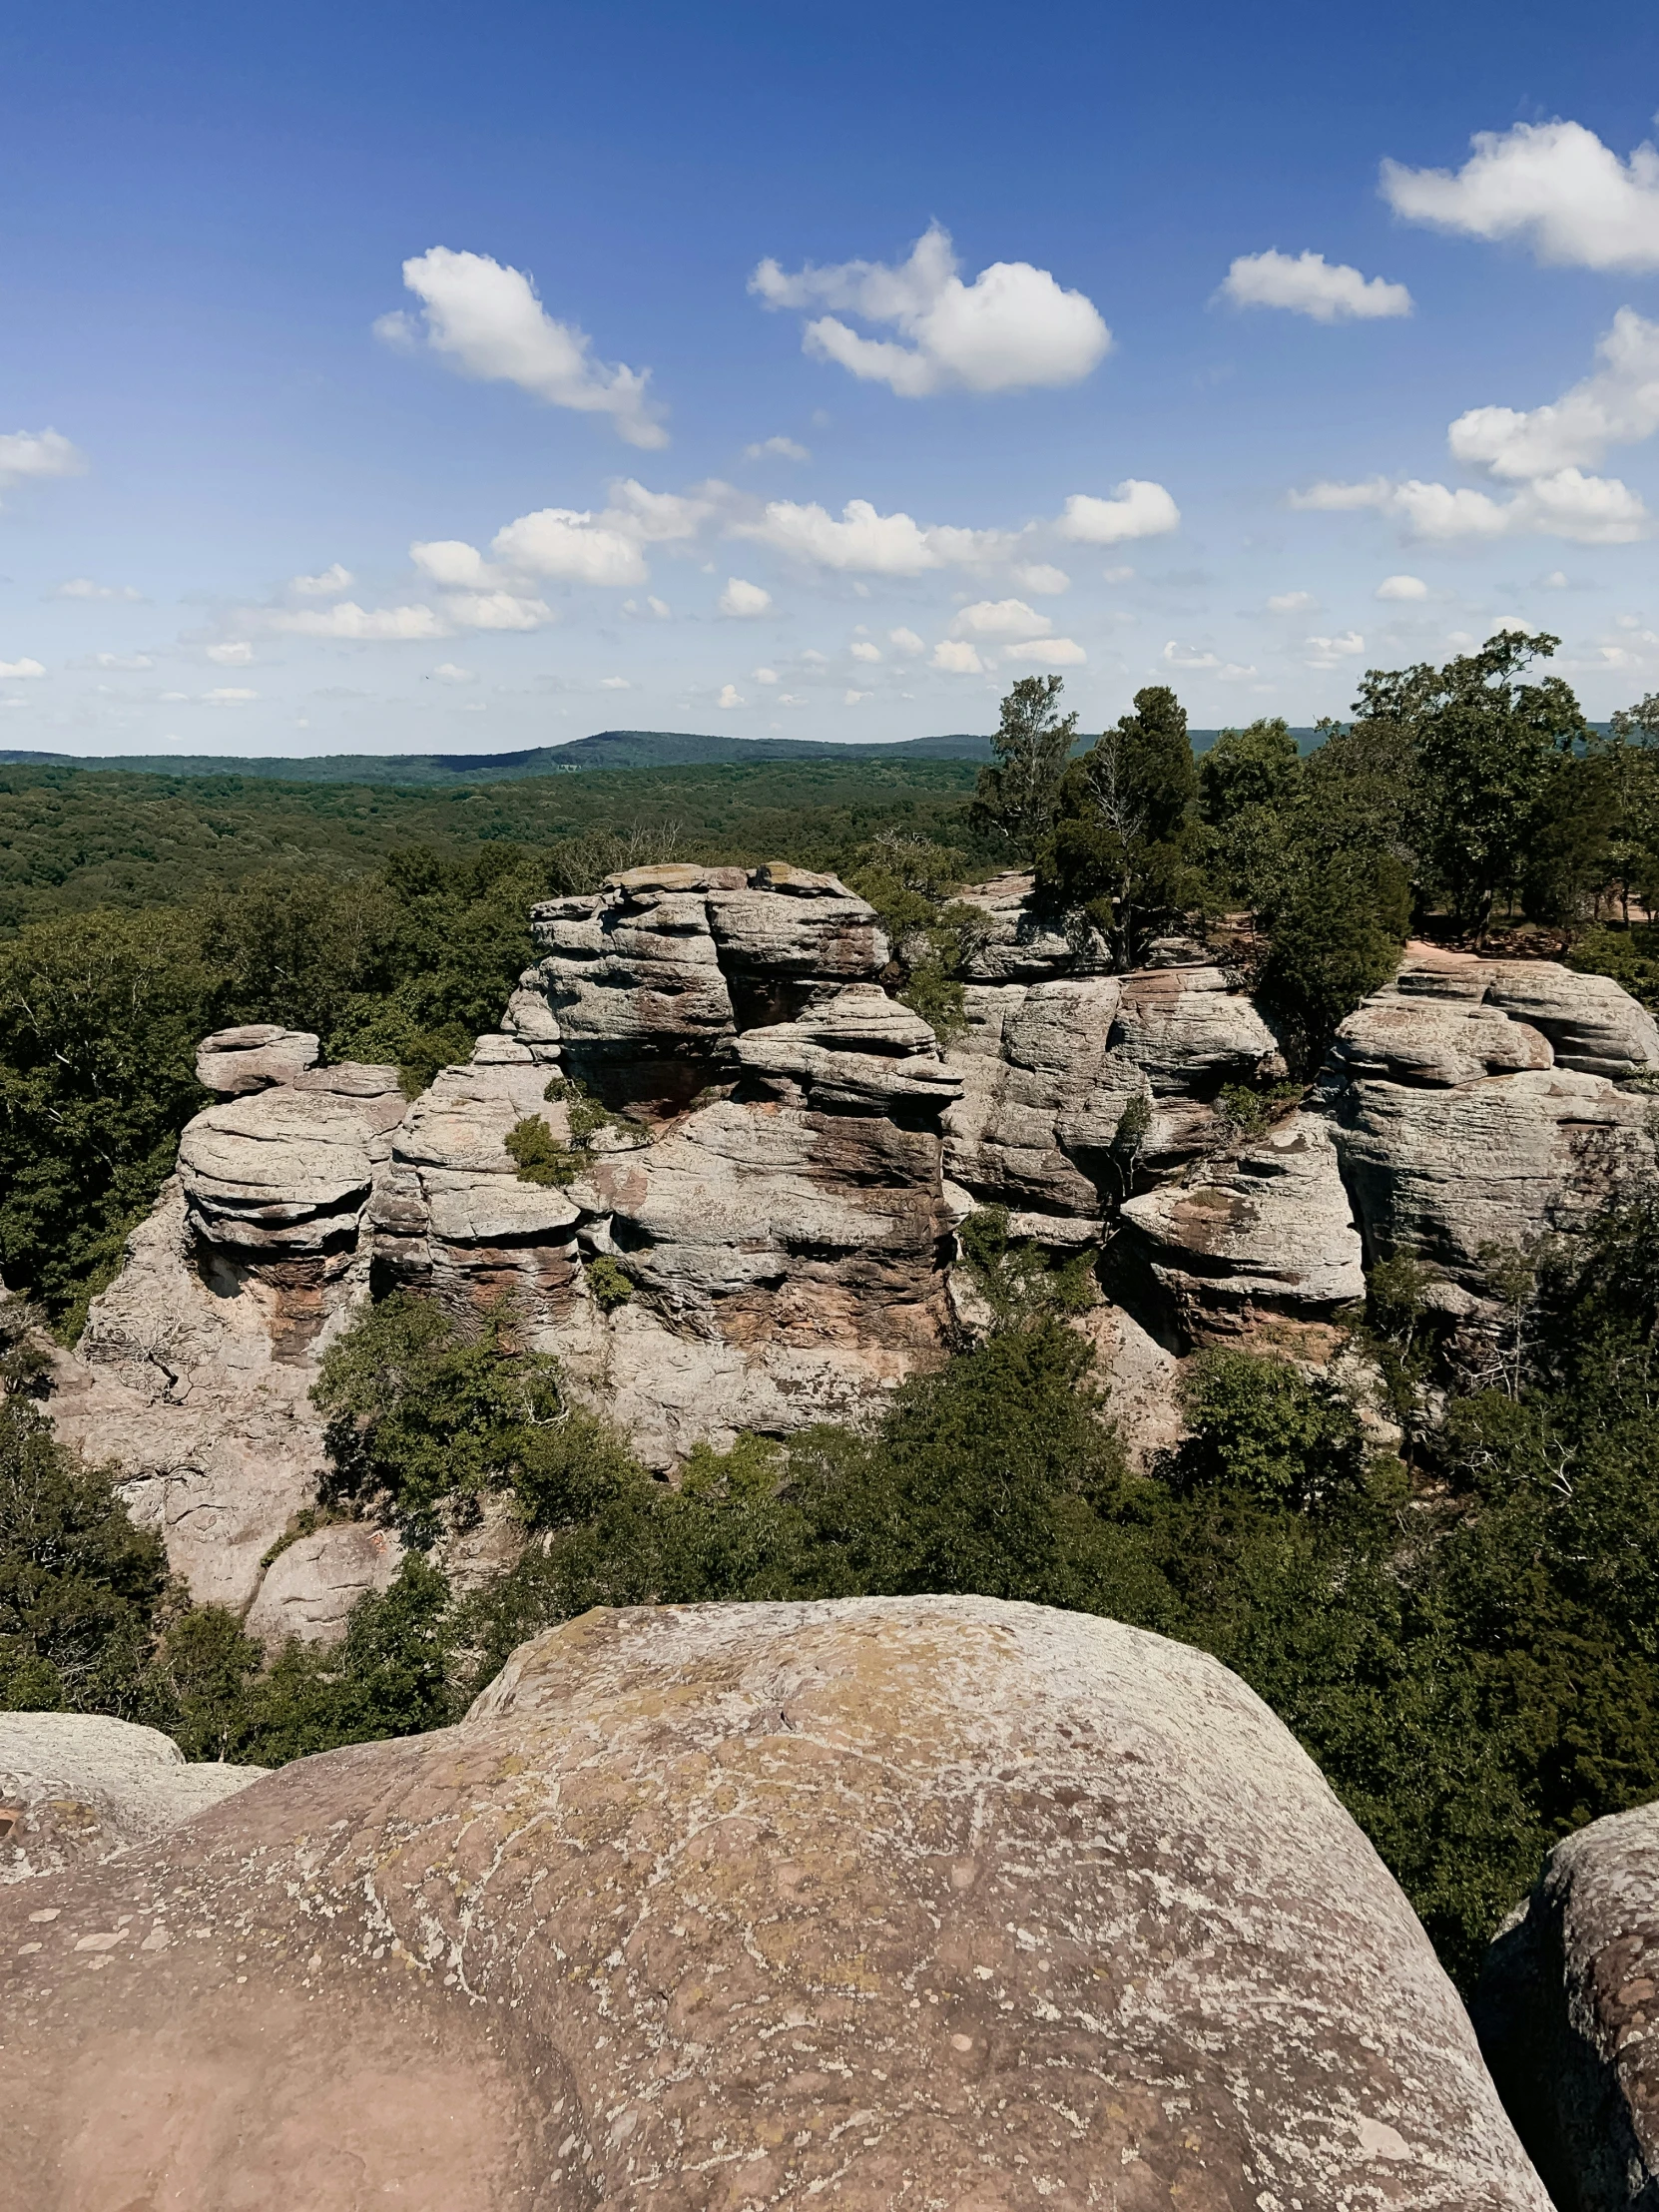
(75, 1788)
(887, 1902)
(772, 1158)
(1566, 2010)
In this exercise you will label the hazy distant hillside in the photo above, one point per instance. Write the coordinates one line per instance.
(608, 749)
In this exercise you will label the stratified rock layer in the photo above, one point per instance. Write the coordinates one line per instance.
(894, 1902)
(1567, 2010)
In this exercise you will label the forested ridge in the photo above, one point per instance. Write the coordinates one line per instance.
(1462, 1627)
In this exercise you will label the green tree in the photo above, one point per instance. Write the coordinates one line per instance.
(1335, 931)
(1014, 799)
(1119, 846)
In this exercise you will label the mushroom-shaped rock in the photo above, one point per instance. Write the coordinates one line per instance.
(1565, 2009)
(887, 1901)
(253, 1058)
(74, 1787)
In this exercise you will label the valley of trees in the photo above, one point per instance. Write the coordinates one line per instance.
(1464, 1635)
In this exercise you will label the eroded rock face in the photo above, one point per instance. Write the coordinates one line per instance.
(76, 1786)
(288, 1168)
(892, 1902)
(1566, 2010)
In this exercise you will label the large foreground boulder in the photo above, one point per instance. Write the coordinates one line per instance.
(888, 1903)
(74, 1787)
(1567, 2010)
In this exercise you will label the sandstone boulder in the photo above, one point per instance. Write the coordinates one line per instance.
(1568, 2009)
(924, 1901)
(254, 1057)
(289, 1169)
(76, 1786)
(311, 1586)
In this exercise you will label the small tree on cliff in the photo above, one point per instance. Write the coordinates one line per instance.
(1119, 842)
(1015, 798)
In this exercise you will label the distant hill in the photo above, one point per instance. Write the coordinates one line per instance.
(608, 749)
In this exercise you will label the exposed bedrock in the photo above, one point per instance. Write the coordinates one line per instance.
(1567, 2010)
(921, 1901)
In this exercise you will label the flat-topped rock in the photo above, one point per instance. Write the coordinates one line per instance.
(289, 1169)
(254, 1057)
(77, 1787)
(931, 1901)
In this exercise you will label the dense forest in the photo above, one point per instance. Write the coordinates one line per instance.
(1464, 1632)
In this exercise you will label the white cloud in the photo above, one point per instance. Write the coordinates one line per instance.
(83, 587)
(27, 455)
(1556, 580)
(730, 697)
(333, 578)
(906, 641)
(1136, 509)
(11, 669)
(348, 620)
(452, 563)
(958, 658)
(883, 545)
(1590, 510)
(228, 695)
(615, 682)
(764, 675)
(1000, 617)
(661, 609)
(1403, 587)
(1187, 655)
(862, 650)
(1117, 575)
(497, 609)
(1011, 329)
(1291, 602)
(780, 448)
(1308, 284)
(1331, 652)
(576, 547)
(854, 698)
(236, 653)
(487, 322)
(1047, 652)
(1042, 578)
(742, 599)
(1618, 405)
(658, 517)
(449, 672)
(128, 662)
(1553, 185)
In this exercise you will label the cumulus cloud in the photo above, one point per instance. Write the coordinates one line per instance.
(451, 562)
(1403, 587)
(128, 663)
(497, 609)
(1177, 655)
(486, 321)
(13, 669)
(576, 547)
(333, 578)
(907, 642)
(1047, 652)
(1306, 284)
(1011, 329)
(730, 697)
(451, 672)
(1042, 577)
(228, 695)
(1554, 186)
(764, 675)
(779, 448)
(862, 650)
(1617, 405)
(1291, 602)
(83, 587)
(366, 624)
(958, 658)
(615, 682)
(1000, 617)
(742, 599)
(881, 545)
(27, 455)
(235, 653)
(1136, 509)
(1331, 652)
(1589, 510)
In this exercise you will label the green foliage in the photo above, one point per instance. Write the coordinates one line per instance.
(1246, 769)
(1246, 1111)
(1119, 847)
(1014, 799)
(911, 883)
(538, 1155)
(1334, 936)
(1262, 1424)
(607, 1283)
(1628, 953)
(1021, 1283)
(418, 1414)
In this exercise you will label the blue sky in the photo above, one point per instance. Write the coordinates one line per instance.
(428, 382)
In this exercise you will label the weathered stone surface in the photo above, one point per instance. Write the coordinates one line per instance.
(254, 1057)
(1268, 1231)
(312, 1585)
(927, 1902)
(1021, 945)
(289, 1169)
(74, 1787)
(1566, 2010)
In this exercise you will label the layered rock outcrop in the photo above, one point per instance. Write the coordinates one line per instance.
(1567, 2010)
(888, 1902)
(771, 1157)
(75, 1788)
